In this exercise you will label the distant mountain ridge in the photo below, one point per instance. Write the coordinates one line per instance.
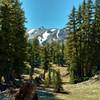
(45, 35)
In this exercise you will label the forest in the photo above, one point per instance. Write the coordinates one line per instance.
(78, 54)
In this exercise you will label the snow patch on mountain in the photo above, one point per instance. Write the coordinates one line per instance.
(47, 35)
(58, 34)
(53, 30)
(31, 31)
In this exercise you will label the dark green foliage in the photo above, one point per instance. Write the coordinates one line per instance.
(27, 71)
(53, 79)
(57, 82)
(75, 75)
(21, 38)
(34, 58)
(57, 53)
(96, 30)
(83, 41)
(30, 59)
(46, 59)
(48, 79)
(72, 44)
(36, 51)
(13, 40)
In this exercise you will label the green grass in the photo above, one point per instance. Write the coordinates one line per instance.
(88, 90)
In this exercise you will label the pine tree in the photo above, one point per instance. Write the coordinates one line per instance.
(87, 38)
(72, 48)
(79, 41)
(62, 57)
(91, 37)
(7, 38)
(82, 46)
(48, 79)
(21, 40)
(34, 58)
(30, 58)
(83, 32)
(57, 82)
(13, 39)
(57, 53)
(46, 59)
(61, 54)
(97, 32)
(36, 50)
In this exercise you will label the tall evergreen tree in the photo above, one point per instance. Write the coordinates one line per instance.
(46, 59)
(36, 50)
(58, 82)
(79, 41)
(62, 57)
(97, 32)
(90, 38)
(82, 42)
(21, 40)
(72, 48)
(5, 37)
(12, 34)
(34, 57)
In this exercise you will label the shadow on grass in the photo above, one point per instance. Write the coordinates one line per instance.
(65, 92)
(64, 83)
(44, 95)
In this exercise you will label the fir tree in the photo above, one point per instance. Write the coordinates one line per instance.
(58, 82)
(13, 39)
(72, 42)
(97, 32)
(46, 59)
(21, 39)
(7, 37)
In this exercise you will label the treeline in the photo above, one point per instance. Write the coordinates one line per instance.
(15, 49)
(80, 53)
(83, 41)
(45, 55)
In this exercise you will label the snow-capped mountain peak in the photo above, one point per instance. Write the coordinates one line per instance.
(47, 35)
(31, 31)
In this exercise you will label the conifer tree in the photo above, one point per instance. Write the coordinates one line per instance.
(87, 34)
(81, 42)
(46, 59)
(21, 40)
(72, 48)
(13, 51)
(7, 37)
(80, 35)
(57, 82)
(34, 57)
(62, 57)
(90, 39)
(30, 58)
(36, 51)
(97, 32)
(4, 31)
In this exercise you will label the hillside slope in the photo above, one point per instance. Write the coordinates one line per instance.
(45, 35)
(88, 90)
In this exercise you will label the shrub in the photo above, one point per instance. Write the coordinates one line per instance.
(57, 82)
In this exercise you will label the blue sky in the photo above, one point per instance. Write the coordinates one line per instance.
(47, 13)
